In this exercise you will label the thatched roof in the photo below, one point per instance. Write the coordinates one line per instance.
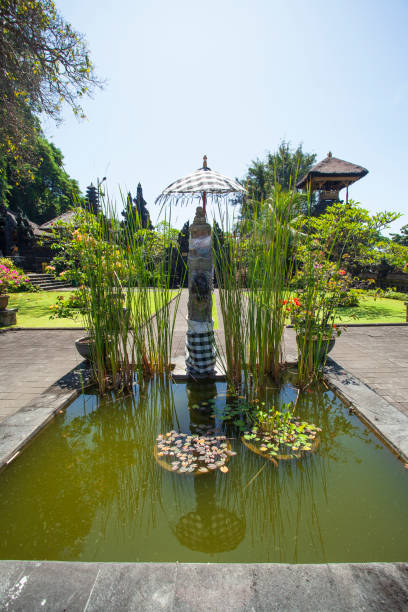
(67, 217)
(332, 172)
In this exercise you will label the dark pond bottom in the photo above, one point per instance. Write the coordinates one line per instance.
(89, 488)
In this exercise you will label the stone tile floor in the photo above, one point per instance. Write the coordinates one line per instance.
(31, 361)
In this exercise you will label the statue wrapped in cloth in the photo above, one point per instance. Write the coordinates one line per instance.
(200, 345)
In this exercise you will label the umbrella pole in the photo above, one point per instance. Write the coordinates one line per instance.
(204, 200)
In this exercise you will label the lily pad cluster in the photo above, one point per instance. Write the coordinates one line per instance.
(281, 435)
(193, 453)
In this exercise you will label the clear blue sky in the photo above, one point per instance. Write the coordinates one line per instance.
(232, 78)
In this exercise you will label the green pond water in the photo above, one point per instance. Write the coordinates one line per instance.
(89, 489)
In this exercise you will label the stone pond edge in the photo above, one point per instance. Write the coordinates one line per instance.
(201, 587)
(389, 423)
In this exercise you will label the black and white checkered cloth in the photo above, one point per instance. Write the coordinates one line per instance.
(206, 180)
(200, 353)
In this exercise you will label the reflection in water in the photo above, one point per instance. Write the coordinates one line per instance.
(89, 489)
(209, 528)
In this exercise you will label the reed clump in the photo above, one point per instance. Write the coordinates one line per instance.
(253, 274)
(271, 271)
(130, 308)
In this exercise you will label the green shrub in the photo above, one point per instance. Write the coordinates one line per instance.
(349, 298)
(5, 261)
(396, 295)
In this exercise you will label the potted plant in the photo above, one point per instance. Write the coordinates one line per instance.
(11, 280)
(312, 313)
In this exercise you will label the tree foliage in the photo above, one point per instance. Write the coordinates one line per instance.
(44, 190)
(283, 168)
(353, 236)
(401, 238)
(43, 64)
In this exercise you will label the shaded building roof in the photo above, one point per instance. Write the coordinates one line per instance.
(332, 173)
(67, 217)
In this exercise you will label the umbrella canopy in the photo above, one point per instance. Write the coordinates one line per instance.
(201, 181)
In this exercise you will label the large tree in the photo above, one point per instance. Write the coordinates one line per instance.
(44, 190)
(283, 167)
(43, 64)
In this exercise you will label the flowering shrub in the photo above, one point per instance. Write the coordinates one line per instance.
(325, 286)
(307, 320)
(13, 281)
(71, 307)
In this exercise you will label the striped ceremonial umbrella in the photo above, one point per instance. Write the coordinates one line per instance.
(200, 183)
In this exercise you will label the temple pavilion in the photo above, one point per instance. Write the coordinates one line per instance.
(328, 177)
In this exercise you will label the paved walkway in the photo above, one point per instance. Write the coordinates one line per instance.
(32, 360)
(378, 356)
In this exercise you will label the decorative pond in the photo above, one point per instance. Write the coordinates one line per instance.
(113, 480)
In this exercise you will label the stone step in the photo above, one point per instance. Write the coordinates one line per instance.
(35, 278)
(57, 285)
(45, 282)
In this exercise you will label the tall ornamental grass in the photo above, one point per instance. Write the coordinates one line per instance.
(253, 274)
(126, 281)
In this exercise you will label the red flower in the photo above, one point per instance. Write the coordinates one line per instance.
(342, 272)
(285, 302)
(296, 301)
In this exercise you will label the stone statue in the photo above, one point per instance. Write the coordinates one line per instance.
(200, 353)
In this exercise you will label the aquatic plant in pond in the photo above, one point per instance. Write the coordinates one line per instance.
(279, 434)
(274, 434)
(197, 454)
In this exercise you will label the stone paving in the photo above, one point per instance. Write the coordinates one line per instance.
(378, 356)
(31, 361)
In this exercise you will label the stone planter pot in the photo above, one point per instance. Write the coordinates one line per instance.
(4, 298)
(84, 344)
(8, 316)
(84, 347)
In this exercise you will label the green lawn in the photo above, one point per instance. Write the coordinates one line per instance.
(214, 312)
(34, 309)
(370, 310)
